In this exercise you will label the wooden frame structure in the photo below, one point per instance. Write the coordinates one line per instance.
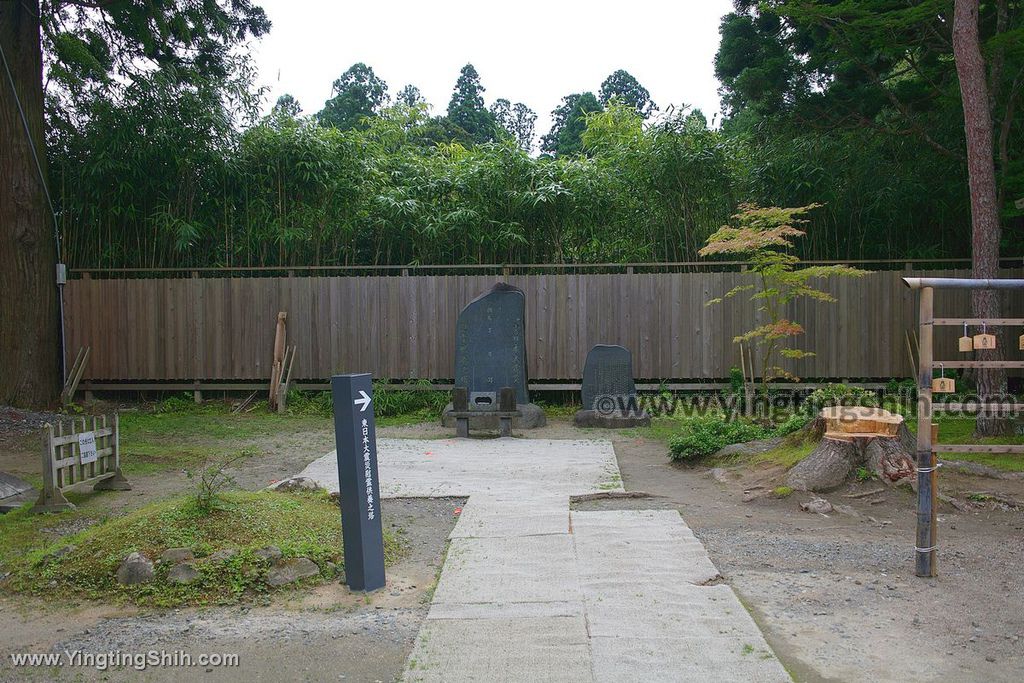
(927, 467)
(62, 460)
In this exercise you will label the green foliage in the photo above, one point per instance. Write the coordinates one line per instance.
(707, 434)
(782, 491)
(357, 95)
(569, 120)
(425, 404)
(871, 81)
(622, 87)
(736, 380)
(765, 236)
(303, 525)
(466, 109)
(211, 480)
(838, 395)
(864, 474)
(792, 424)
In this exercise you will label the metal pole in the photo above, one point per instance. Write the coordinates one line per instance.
(925, 548)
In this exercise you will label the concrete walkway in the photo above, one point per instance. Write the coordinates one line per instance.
(531, 591)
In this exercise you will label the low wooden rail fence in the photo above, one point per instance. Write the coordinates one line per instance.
(197, 330)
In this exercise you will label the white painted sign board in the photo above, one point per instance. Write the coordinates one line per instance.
(87, 447)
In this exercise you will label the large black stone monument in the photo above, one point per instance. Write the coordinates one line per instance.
(608, 391)
(490, 353)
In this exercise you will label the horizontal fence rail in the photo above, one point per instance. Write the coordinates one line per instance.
(509, 268)
(202, 329)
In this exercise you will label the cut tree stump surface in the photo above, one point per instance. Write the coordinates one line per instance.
(845, 423)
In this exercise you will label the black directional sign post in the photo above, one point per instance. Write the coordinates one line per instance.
(355, 434)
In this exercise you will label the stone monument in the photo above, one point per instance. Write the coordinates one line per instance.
(608, 392)
(490, 354)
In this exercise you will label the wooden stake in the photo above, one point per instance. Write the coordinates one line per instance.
(278, 365)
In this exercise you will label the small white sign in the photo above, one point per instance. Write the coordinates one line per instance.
(1019, 204)
(87, 447)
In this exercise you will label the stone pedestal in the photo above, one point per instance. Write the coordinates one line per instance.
(532, 417)
(593, 418)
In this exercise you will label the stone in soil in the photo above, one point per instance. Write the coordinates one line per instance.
(182, 574)
(291, 570)
(135, 569)
(223, 555)
(175, 555)
(270, 553)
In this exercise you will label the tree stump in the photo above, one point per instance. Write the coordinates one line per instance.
(855, 437)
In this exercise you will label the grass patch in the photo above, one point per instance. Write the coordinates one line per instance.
(301, 525)
(961, 431)
(782, 491)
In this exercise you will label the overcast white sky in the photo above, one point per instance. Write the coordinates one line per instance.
(528, 51)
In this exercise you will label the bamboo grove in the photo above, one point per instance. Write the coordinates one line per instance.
(181, 172)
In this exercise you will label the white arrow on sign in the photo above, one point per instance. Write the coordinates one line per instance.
(365, 401)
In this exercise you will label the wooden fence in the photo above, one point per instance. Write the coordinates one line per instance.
(403, 326)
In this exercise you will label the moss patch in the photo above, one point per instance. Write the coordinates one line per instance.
(301, 525)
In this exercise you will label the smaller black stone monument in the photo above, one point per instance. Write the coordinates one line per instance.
(608, 391)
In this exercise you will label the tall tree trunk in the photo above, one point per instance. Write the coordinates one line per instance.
(29, 354)
(985, 229)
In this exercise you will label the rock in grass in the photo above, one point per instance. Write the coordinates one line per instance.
(291, 570)
(270, 553)
(295, 484)
(135, 569)
(175, 555)
(182, 574)
(58, 554)
(223, 555)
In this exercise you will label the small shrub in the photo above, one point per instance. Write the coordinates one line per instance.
(319, 403)
(839, 395)
(735, 381)
(708, 434)
(864, 474)
(782, 491)
(180, 403)
(211, 480)
(397, 402)
(792, 424)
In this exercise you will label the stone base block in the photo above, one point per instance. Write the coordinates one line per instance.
(592, 418)
(531, 418)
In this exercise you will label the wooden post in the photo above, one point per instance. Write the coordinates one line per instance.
(926, 480)
(277, 369)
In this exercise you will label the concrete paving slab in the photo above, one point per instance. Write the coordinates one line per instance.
(554, 649)
(508, 570)
(613, 545)
(490, 516)
(461, 467)
(690, 659)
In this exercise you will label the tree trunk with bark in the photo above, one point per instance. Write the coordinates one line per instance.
(29, 342)
(985, 228)
(851, 438)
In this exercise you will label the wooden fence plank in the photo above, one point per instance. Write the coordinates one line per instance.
(403, 327)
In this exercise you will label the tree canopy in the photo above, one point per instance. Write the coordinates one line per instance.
(356, 94)
(466, 108)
